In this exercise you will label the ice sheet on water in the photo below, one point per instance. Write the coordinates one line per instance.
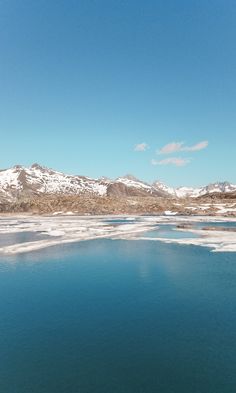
(67, 229)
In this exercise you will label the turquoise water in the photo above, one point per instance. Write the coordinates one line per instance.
(8, 239)
(216, 224)
(108, 316)
(169, 232)
(121, 221)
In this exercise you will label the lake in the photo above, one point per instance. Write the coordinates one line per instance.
(118, 316)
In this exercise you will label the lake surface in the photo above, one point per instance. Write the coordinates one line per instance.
(118, 316)
(169, 232)
(7, 239)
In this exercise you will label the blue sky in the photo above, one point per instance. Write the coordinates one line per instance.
(82, 83)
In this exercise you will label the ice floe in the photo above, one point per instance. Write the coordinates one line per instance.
(68, 229)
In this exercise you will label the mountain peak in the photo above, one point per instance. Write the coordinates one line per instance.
(35, 165)
(129, 177)
(18, 167)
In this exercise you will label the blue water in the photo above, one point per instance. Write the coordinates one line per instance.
(118, 316)
(8, 239)
(121, 221)
(216, 224)
(169, 232)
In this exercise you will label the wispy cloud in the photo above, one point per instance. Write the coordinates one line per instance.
(177, 161)
(141, 147)
(174, 147)
(171, 148)
(199, 146)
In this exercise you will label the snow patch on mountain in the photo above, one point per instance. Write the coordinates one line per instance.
(131, 181)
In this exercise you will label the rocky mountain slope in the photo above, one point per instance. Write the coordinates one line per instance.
(130, 186)
(19, 183)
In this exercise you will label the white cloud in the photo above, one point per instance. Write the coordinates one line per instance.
(174, 147)
(199, 146)
(177, 161)
(141, 147)
(171, 148)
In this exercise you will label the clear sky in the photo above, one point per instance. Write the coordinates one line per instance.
(109, 87)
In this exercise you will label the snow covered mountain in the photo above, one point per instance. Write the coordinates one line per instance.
(19, 182)
(183, 192)
(131, 186)
(164, 188)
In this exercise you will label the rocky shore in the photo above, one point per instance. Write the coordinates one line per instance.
(99, 205)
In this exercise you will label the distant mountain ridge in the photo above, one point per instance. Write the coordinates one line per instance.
(183, 192)
(19, 182)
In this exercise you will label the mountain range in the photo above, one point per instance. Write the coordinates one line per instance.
(19, 182)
